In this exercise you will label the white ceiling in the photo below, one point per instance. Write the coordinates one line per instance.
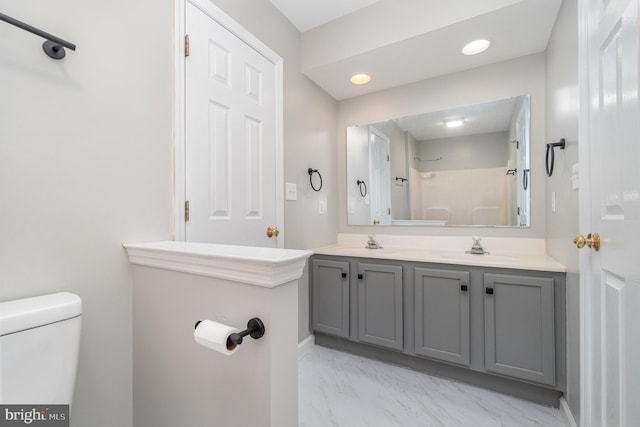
(306, 14)
(403, 41)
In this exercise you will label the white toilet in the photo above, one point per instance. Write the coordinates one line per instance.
(39, 342)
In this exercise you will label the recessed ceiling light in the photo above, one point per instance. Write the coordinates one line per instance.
(454, 123)
(360, 79)
(476, 47)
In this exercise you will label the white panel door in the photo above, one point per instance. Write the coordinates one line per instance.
(230, 137)
(610, 206)
(380, 170)
(522, 163)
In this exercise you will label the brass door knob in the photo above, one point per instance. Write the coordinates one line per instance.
(376, 221)
(591, 241)
(272, 231)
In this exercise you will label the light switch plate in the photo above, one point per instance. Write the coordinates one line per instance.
(322, 207)
(291, 191)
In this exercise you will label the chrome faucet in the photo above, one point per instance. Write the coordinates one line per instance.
(477, 248)
(372, 244)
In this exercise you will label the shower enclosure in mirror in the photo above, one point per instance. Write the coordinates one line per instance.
(468, 166)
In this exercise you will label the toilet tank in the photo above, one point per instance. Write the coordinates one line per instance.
(39, 342)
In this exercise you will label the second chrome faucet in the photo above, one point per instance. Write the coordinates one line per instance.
(477, 248)
(372, 244)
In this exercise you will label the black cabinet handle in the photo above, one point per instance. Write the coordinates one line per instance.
(489, 291)
(464, 288)
(344, 275)
(360, 276)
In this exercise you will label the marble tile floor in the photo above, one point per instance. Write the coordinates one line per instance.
(342, 390)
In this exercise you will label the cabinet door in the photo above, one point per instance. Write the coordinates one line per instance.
(519, 327)
(442, 315)
(330, 311)
(380, 305)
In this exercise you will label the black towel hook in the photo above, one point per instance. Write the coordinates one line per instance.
(550, 149)
(311, 172)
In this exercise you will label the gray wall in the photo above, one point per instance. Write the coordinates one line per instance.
(562, 225)
(488, 150)
(180, 383)
(86, 164)
(519, 76)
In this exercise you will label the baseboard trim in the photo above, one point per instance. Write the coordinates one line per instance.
(305, 345)
(567, 415)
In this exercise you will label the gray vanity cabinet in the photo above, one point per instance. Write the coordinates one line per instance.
(498, 328)
(380, 314)
(519, 327)
(442, 315)
(330, 313)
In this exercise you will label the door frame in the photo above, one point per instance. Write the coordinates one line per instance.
(179, 128)
(584, 217)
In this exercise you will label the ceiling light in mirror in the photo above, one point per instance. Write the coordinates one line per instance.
(360, 79)
(454, 123)
(476, 47)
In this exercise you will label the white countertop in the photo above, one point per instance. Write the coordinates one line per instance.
(520, 260)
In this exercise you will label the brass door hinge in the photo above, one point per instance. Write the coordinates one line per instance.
(186, 45)
(186, 210)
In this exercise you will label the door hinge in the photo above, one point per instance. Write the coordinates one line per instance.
(186, 45)
(186, 211)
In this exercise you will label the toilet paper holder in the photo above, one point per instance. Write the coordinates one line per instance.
(255, 329)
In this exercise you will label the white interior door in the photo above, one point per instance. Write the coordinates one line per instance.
(230, 137)
(522, 164)
(610, 206)
(380, 170)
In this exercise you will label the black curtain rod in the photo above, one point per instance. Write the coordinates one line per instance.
(53, 46)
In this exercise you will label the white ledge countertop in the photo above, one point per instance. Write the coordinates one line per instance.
(499, 259)
(267, 267)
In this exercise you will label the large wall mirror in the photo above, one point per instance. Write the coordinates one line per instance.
(467, 166)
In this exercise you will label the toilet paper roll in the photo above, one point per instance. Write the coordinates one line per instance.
(215, 336)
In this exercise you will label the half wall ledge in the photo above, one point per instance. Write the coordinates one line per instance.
(266, 267)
